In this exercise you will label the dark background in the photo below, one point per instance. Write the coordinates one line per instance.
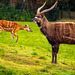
(25, 10)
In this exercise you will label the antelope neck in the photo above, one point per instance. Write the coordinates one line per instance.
(43, 23)
(21, 27)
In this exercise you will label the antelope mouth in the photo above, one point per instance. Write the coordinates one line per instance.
(31, 31)
(34, 21)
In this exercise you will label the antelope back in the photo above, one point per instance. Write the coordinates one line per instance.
(8, 25)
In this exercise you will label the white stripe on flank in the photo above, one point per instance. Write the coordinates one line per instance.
(8, 24)
(4, 21)
(65, 22)
(69, 38)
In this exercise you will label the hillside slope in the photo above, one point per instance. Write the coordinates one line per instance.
(32, 54)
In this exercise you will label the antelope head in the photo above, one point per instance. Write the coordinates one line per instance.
(27, 28)
(39, 18)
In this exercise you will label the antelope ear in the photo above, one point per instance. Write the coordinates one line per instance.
(26, 26)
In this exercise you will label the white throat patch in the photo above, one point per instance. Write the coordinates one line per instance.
(35, 17)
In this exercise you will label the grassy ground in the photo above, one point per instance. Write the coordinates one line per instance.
(32, 54)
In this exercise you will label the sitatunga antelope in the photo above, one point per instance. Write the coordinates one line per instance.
(56, 33)
(13, 27)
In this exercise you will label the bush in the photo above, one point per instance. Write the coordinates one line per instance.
(53, 14)
(10, 13)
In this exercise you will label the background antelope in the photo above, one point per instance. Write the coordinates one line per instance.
(56, 33)
(13, 27)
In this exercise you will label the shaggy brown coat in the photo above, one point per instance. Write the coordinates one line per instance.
(56, 33)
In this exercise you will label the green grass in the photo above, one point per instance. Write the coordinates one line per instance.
(32, 54)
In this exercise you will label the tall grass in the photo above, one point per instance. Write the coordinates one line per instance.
(32, 54)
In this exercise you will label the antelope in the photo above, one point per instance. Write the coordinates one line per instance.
(13, 27)
(57, 32)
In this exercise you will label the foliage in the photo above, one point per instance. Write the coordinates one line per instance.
(25, 12)
(32, 54)
(10, 13)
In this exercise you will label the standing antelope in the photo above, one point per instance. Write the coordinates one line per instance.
(13, 27)
(56, 33)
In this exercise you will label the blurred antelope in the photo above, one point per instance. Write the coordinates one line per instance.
(13, 27)
(56, 33)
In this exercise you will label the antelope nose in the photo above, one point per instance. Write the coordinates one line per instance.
(31, 31)
(32, 19)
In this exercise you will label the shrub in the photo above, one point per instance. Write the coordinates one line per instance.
(10, 13)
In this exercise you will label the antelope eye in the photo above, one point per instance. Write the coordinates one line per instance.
(38, 16)
(26, 26)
